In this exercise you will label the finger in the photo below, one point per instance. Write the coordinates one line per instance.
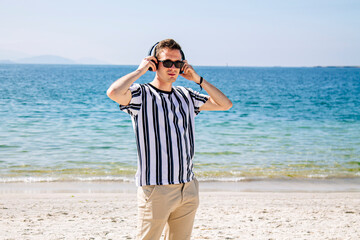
(183, 68)
(152, 58)
(190, 67)
(144, 63)
(186, 69)
(149, 64)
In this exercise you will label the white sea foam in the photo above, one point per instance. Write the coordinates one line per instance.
(28, 179)
(228, 179)
(104, 178)
(58, 179)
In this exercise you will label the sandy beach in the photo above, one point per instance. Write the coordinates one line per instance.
(72, 214)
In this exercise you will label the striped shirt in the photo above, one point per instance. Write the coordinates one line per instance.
(163, 123)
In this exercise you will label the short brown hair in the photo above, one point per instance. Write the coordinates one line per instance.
(167, 43)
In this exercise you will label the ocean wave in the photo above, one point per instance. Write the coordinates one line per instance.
(201, 177)
(105, 178)
(27, 179)
(65, 179)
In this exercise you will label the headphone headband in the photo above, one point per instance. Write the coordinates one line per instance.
(151, 49)
(154, 48)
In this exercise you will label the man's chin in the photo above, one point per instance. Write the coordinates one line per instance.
(172, 79)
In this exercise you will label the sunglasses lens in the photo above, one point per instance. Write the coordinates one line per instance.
(169, 63)
(179, 64)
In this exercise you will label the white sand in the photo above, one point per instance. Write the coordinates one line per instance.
(221, 215)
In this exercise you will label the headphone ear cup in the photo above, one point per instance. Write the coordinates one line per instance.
(150, 53)
(150, 68)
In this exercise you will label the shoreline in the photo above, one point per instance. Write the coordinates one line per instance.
(221, 215)
(268, 185)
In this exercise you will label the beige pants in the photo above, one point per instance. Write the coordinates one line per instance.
(173, 206)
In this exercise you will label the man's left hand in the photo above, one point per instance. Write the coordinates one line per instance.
(189, 73)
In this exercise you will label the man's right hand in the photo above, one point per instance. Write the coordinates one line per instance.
(148, 62)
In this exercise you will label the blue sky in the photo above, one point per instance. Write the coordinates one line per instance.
(237, 33)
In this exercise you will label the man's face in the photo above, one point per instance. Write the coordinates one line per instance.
(168, 74)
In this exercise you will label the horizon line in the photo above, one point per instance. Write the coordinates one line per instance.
(259, 66)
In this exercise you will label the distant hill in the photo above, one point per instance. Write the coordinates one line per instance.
(45, 59)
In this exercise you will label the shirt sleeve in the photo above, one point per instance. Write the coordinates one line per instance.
(198, 99)
(134, 105)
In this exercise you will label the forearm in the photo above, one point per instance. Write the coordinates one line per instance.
(119, 90)
(218, 99)
(123, 84)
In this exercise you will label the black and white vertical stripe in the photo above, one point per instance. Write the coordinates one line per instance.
(164, 129)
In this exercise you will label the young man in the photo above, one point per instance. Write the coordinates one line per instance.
(163, 121)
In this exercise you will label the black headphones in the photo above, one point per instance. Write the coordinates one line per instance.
(154, 48)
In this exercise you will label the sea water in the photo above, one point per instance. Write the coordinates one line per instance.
(57, 124)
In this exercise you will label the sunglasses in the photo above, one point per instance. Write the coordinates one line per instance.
(168, 63)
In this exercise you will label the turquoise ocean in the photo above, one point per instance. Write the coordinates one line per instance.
(57, 124)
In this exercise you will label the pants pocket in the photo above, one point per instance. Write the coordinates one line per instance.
(146, 192)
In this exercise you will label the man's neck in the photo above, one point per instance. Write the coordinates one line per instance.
(164, 86)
